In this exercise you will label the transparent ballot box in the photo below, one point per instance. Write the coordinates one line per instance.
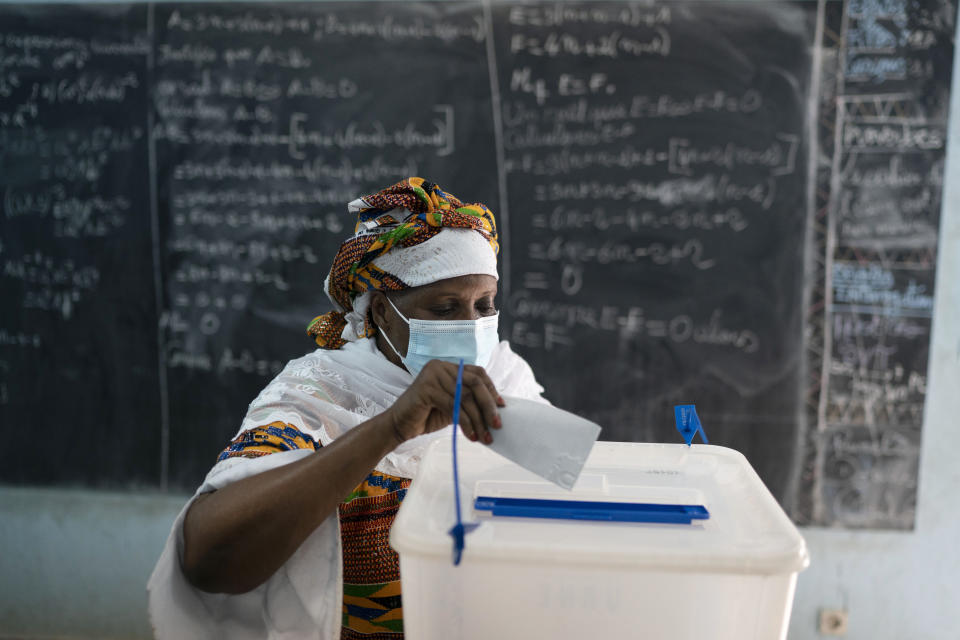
(654, 541)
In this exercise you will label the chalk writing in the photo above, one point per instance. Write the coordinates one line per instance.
(863, 489)
(709, 188)
(868, 33)
(11, 338)
(612, 45)
(264, 222)
(558, 15)
(559, 135)
(204, 299)
(879, 8)
(321, 88)
(257, 250)
(872, 286)
(391, 29)
(248, 22)
(583, 111)
(904, 136)
(38, 268)
(85, 89)
(317, 169)
(73, 217)
(375, 135)
(891, 174)
(679, 157)
(630, 323)
(324, 26)
(559, 249)
(227, 361)
(601, 219)
(780, 157)
(851, 327)
(225, 274)
(299, 138)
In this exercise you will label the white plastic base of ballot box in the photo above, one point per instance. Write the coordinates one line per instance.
(729, 577)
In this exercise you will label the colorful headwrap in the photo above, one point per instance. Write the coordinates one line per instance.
(390, 223)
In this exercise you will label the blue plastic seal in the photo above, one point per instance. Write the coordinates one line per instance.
(688, 423)
(461, 529)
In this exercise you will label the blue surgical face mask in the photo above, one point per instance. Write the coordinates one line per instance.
(449, 340)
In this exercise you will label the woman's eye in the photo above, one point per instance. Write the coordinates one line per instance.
(443, 311)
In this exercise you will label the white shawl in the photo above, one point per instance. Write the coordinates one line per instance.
(324, 394)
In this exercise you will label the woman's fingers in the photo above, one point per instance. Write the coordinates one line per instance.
(478, 409)
(472, 418)
(485, 394)
(470, 430)
(470, 422)
(487, 382)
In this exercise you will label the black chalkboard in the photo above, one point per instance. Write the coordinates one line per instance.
(662, 261)
(695, 200)
(884, 182)
(78, 325)
(267, 122)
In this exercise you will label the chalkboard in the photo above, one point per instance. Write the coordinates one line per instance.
(730, 204)
(661, 262)
(882, 194)
(267, 123)
(78, 326)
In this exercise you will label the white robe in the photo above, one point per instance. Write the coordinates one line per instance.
(324, 394)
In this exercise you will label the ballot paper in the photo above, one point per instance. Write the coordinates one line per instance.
(548, 441)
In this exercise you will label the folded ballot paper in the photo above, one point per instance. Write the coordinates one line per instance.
(541, 438)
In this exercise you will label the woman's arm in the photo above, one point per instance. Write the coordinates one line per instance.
(235, 538)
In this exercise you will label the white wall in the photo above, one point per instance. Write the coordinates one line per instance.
(75, 563)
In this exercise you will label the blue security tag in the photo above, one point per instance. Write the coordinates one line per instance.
(458, 532)
(461, 529)
(688, 423)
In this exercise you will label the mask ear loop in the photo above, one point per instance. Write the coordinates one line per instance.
(405, 319)
(384, 333)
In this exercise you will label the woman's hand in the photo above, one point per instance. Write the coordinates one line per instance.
(428, 404)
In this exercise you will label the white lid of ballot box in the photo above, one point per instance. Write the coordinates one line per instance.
(747, 531)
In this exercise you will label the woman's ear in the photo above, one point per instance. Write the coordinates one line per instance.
(378, 310)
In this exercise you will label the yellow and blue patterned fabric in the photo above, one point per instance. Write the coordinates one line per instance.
(270, 438)
(372, 608)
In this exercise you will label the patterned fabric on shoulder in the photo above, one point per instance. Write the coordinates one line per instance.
(267, 439)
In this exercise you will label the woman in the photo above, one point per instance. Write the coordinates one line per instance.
(287, 536)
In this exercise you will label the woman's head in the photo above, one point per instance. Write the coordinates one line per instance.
(419, 245)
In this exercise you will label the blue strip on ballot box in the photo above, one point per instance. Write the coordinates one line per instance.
(603, 511)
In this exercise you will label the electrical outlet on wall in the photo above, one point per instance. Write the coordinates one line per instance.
(833, 622)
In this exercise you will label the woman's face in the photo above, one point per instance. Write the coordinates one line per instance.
(461, 298)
